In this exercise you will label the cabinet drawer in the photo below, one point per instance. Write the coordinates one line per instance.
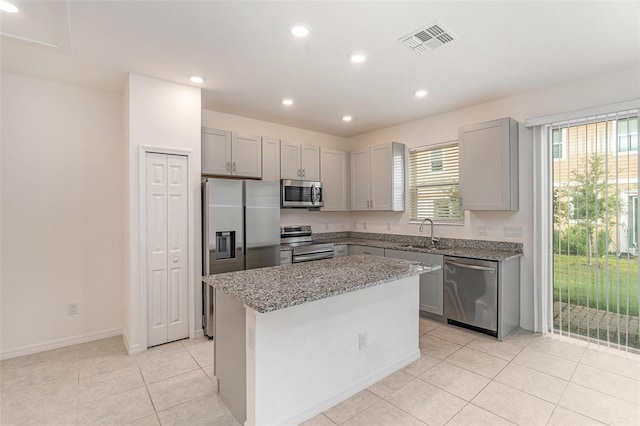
(354, 250)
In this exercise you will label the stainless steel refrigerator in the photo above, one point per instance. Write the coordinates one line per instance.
(241, 230)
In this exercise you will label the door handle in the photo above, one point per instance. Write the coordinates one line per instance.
(467, 266)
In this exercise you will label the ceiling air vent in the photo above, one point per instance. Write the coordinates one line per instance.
(428, 38)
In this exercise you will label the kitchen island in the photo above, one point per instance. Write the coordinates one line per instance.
(294, 340)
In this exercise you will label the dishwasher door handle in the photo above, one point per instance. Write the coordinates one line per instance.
(467, 266)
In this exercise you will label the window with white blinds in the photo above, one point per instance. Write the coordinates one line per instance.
(433, 183)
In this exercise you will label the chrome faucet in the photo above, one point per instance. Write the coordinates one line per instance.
(433, 239)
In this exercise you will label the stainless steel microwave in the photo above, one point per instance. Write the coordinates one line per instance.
(301, 193)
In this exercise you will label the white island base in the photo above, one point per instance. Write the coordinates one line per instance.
(286, 366)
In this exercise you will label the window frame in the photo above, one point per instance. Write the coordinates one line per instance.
(627, 134)
(428, 163)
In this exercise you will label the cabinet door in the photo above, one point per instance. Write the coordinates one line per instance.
(360, 180)
(310, 162)
(286, 257)
(376, 251)
(340, 250)
(246, 155)
(270, 159)
(216, 152)
(431, 283)
(488, 165)
(381, 179)
(290, 160)
(333, 168)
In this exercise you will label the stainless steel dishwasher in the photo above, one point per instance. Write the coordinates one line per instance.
(471, 293)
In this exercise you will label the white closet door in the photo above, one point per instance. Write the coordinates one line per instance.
(156, 216)
(177, 228)
(167, 254)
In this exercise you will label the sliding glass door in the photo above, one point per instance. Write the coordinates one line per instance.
(595, 228)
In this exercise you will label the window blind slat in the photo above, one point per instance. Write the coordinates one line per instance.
(433, 183)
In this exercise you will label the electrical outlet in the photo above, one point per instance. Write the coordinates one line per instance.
(513, 231)
(72, 309)
(482, 230)
(362, 341)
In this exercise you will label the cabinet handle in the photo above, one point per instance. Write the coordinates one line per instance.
(299, 172)
(304, 173)
(234, 166)
(175, 260)
(228, 167)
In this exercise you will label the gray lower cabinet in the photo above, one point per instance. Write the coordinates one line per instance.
(431, 296)
(285, 257)
(376, 251)
(340, 250)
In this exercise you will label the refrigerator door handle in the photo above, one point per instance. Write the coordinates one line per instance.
(205, 231)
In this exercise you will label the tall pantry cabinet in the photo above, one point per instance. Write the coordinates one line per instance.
(167, 270)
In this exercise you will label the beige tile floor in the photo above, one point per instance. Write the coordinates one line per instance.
(462, 378)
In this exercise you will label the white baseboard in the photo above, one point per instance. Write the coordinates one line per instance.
(132, 349)
(199, 333)
(357, 387)
(59, 343)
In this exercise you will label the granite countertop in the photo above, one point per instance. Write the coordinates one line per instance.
(279, 287)
(473, 249)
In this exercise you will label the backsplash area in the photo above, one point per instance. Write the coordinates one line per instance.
(416, 240)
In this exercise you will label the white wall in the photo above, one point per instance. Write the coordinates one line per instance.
(601, 90)
(61, 224)
(165, 116)
(320, 221)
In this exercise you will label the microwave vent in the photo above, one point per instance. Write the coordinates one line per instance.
(428, 38)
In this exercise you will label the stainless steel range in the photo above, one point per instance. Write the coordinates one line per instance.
(298, 237)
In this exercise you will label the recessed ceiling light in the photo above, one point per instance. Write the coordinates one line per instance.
(287, 102)
(300, 30)
(5, 6)
(420, 93)
(197, 79)
(358, 57)
(347, 118)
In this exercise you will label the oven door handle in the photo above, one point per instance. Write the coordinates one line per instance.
(318, 256)
(467, 266)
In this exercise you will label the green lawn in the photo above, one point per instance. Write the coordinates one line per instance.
(596, 284)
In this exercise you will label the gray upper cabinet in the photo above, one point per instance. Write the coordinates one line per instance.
(489, 165)
(377, 177)
(271, 159)
(226, 153)
(333, 174)
(299, 161)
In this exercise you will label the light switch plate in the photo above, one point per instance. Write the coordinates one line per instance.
(513, 231)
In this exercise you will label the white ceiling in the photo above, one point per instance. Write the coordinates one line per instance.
(251, 61)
